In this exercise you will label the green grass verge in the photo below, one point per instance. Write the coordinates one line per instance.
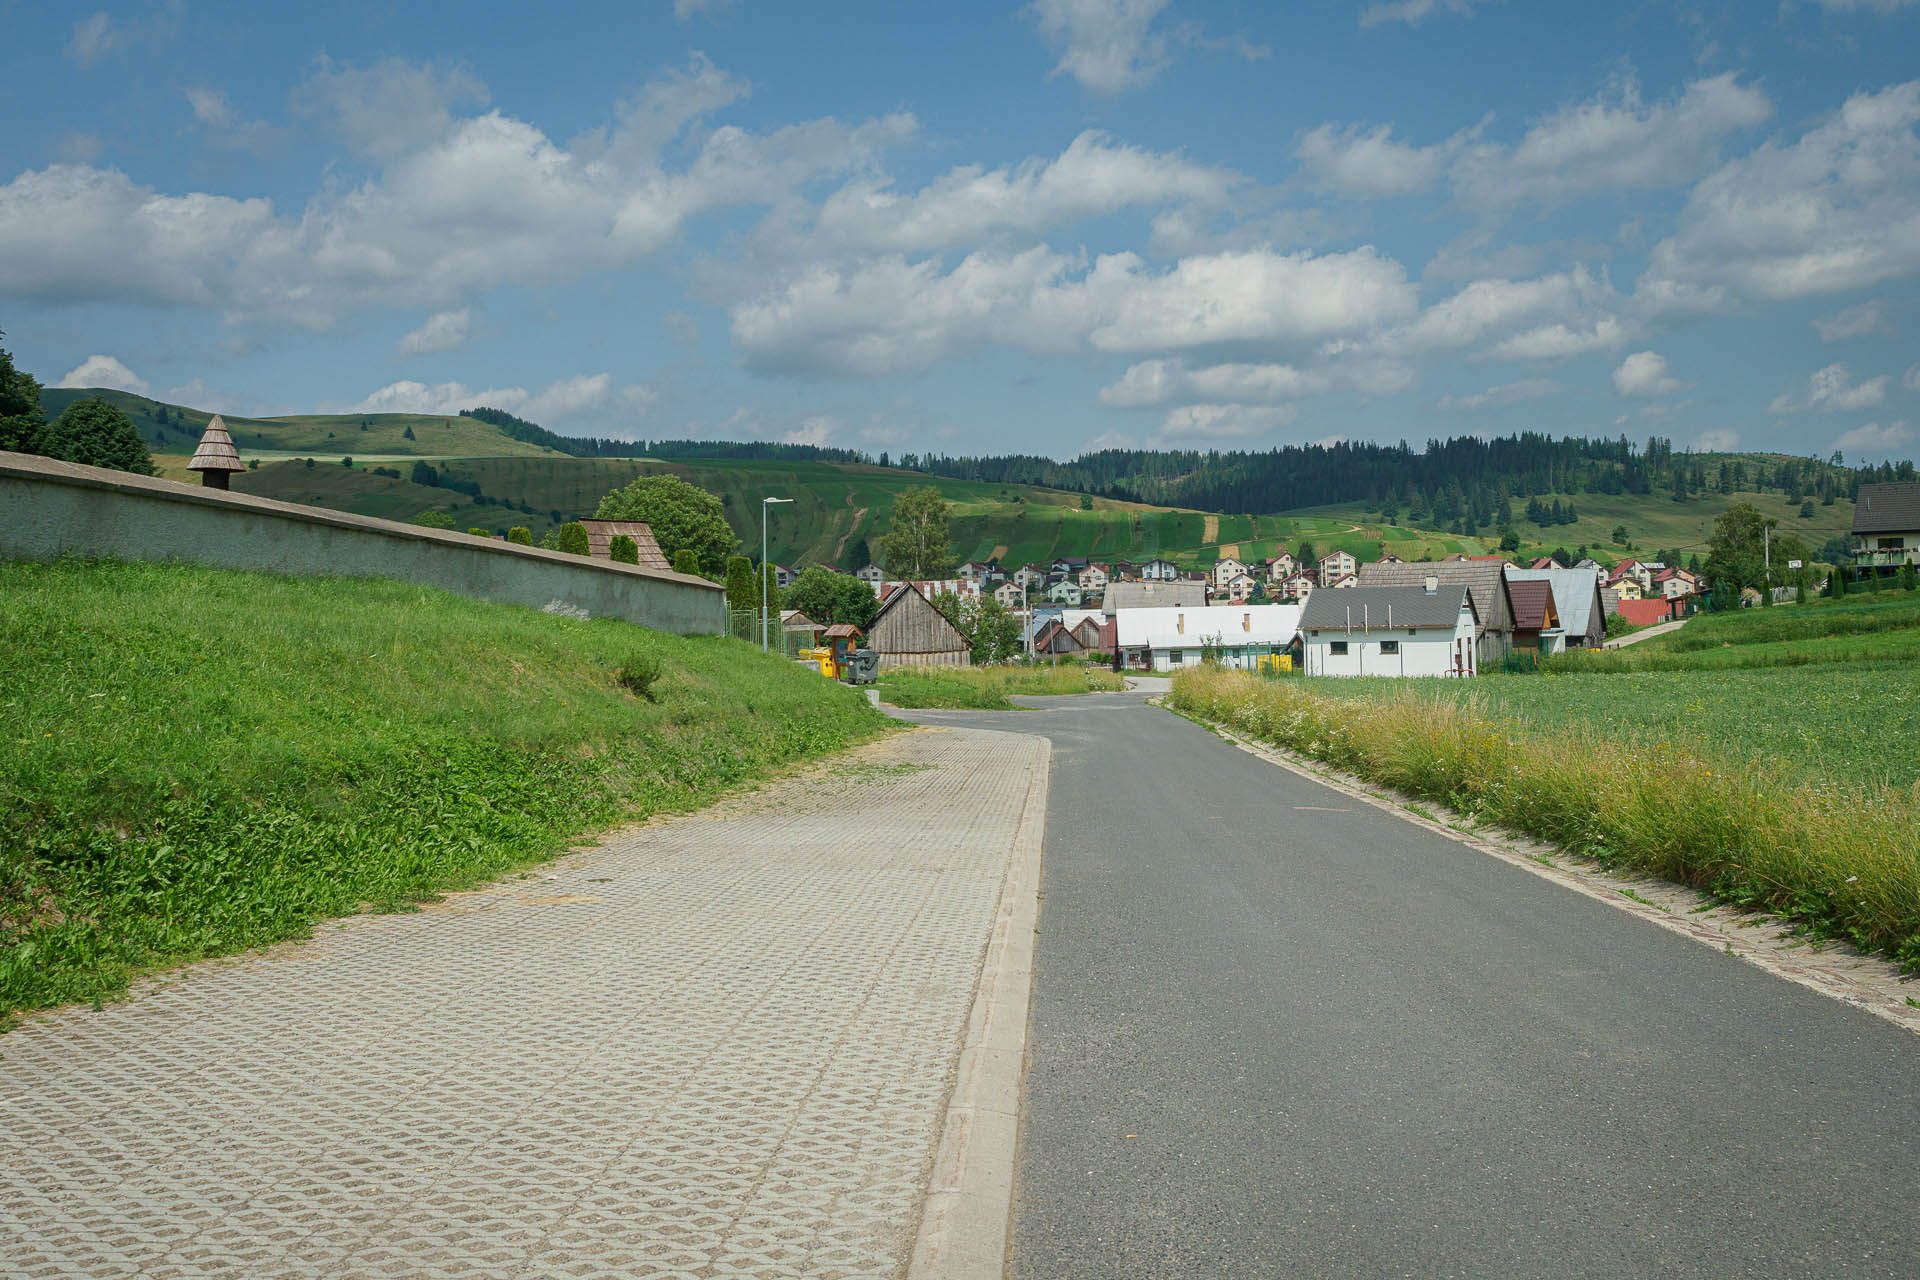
(1843, 860)
(201, 761)
(986, 688)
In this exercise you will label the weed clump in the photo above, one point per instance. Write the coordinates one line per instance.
(638, 674)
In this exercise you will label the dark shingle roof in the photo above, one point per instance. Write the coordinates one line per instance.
(601, 533)
(1374, 606)
(1486, 579)
(1887, 508)
(1532, 600)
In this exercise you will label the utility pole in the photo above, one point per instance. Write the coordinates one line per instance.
(764, 504)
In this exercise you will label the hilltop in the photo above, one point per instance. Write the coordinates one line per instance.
(494, 470)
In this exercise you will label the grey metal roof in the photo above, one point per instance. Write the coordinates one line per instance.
(1381, 607)
(1154, 595)
(1887, 508)
(1486, 578)
(1576, 596)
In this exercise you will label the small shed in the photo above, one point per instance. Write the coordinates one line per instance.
(601, 533)
(909, 632)
(801, 631)
(1536, 622)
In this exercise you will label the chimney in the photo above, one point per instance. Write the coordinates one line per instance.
(1246, 622)
(1180, 623)
(1433, 584)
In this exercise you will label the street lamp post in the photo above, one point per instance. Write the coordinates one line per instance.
(764, 504)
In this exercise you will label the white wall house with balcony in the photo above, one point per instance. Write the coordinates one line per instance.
(1886, 526)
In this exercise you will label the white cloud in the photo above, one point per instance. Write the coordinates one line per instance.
(1875, 438)
(1092, 177)
(492, 201)
(1832, 390)
(1506, 393)
(1836, 211)
(1154, 382)
(1644, 373)
(1723, 440)
(817, 431)
(1259, 296)
(584, 396)
(104, 371)
(1613, 142)
(888, 316)
(1912, 379)
(95, 38)
(443, 331)
(227, 127)
(1485, 308)
(1855, 322)
(1367, 163)
(1107, 45)
(1225, 420)
(391, 107)
(1558, 341)
(1412, 12)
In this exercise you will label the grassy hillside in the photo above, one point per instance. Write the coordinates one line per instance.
(201, 761)
(327, 437)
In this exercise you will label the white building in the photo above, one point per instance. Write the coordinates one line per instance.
(1168, 639)
(1225, 570)
(1159, 571)
(1336, 565)
(1391, 631)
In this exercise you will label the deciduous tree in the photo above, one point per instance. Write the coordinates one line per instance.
(916, 541)
(21, 418)
(828, 597)
(95, 433)
(683, 517)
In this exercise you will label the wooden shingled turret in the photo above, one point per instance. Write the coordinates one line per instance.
(216, 458)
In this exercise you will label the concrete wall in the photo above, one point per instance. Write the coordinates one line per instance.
(49, 509)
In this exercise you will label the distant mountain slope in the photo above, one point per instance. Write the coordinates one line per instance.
(173, 429)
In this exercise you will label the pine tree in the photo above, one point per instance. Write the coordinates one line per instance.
(741, 594)
(687, 560)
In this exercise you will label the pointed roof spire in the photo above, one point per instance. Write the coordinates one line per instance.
(216, 451)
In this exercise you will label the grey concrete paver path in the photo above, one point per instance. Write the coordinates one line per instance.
(1657, 629)
(716, 1046)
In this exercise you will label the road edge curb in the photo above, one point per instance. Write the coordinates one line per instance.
(967, 1215)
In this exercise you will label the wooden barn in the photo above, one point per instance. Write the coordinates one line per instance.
(909, 632)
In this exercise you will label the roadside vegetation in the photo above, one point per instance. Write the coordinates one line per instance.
(1838, 854)
(200, 761)
(1855, 628)
(986, 688)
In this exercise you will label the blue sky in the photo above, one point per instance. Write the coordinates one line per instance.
(978, 228)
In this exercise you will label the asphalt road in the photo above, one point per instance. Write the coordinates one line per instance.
(1276, 1032)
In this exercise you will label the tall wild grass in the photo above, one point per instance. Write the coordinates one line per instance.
(1842, 859)
(986, 688)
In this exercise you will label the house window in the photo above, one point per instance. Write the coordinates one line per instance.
(1175, 657)
(1890, 544)
(1389, 646)
(1339, 648)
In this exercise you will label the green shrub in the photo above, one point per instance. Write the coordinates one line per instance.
(520, 536)
(434, 520)
(623, 549)
(687, 560)
(573, 538)
(638, 674)
(478, 532)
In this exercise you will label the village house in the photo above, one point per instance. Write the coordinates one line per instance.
(1123, 571)
(1886, 526)
(974, 570)
(1225, 570)
(1344, 582)
(1335, 565)
(1159, 571)
(1009, 594)
(1674, 584)
(1486, 580)
(1031, 576)
(1240, 586)
(909, 632)
(1576, 598)
(873, 575)
(1154, 595)
(1536, 622)
(1426, 630)
(783, 576)
(1242, 635)
(1066, 566)
(1092, 579)
(1066, 592)
(1625, 586)
(1297, 586)
(1281, 567)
